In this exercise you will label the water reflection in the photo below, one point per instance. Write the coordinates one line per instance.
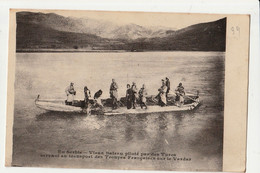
(100, 117)
(158, 144)
(58, 116)
(135, 127)
(129, 130)
(163, 121)
(178, 124)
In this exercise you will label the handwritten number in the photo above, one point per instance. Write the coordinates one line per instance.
(232, 29)
(235, 31)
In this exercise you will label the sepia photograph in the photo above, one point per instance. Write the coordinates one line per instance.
(119, 90)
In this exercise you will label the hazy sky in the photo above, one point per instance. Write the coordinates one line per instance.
(173, 20)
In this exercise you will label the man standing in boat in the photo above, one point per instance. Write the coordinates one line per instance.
(87, 96)
(134, 94)
(142, 96)
(70, 92)
(162, 94)
(113, 93)
(168, 84)
(180, 93)
(129, 97)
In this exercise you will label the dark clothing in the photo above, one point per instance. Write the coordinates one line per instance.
(168, 84)
(134, 95)
(180, 90)
(97, 98)
(98, 94)
(87, 93)
(129, 98)
(68, 103)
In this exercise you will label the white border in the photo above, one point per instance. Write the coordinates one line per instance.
(191, 6)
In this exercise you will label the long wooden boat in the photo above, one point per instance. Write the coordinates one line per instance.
(78, 106)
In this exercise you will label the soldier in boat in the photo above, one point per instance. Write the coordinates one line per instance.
(142, 96)
(97, 98)
(70, 92)
(168, 84)
(87, 96)
(162, 94)
(180, 93)
(129, 96)
(113, 93)
(134, 94)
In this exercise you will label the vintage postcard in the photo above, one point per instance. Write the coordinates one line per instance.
(127, 90)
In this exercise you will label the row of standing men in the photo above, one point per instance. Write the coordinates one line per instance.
(132, 94)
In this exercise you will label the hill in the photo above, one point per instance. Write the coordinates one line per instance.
(86, 25)
(201, 37)
(37, 31)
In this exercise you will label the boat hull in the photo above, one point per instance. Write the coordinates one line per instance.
(153, 109)
(77, 107)
(57, 106)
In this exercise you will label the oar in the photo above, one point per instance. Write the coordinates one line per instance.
(37, 98)
(154, 99)
(191, 98)
(121, 103)
(193, 94)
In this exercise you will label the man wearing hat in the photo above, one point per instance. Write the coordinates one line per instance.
(70, 92)
(180, 93)
(129, 96)
(134, 94)
(113, 93)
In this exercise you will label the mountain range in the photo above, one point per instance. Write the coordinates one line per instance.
(39, 31)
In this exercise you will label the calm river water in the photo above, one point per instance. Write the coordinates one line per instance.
(197, 135)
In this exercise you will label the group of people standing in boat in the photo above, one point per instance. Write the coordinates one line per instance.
(164, 93)
(133, 95)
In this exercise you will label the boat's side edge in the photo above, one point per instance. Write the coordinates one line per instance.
(190, 107)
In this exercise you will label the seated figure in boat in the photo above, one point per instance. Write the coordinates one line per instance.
(142, 96)
(134, 94)
(87, 94)
(97, 98)
(162, 94)
(70, 92)
(129, 97)
(180, 93)
(114, 94)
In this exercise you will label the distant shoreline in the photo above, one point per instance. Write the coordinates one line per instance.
(101, 51)
(63, 50)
